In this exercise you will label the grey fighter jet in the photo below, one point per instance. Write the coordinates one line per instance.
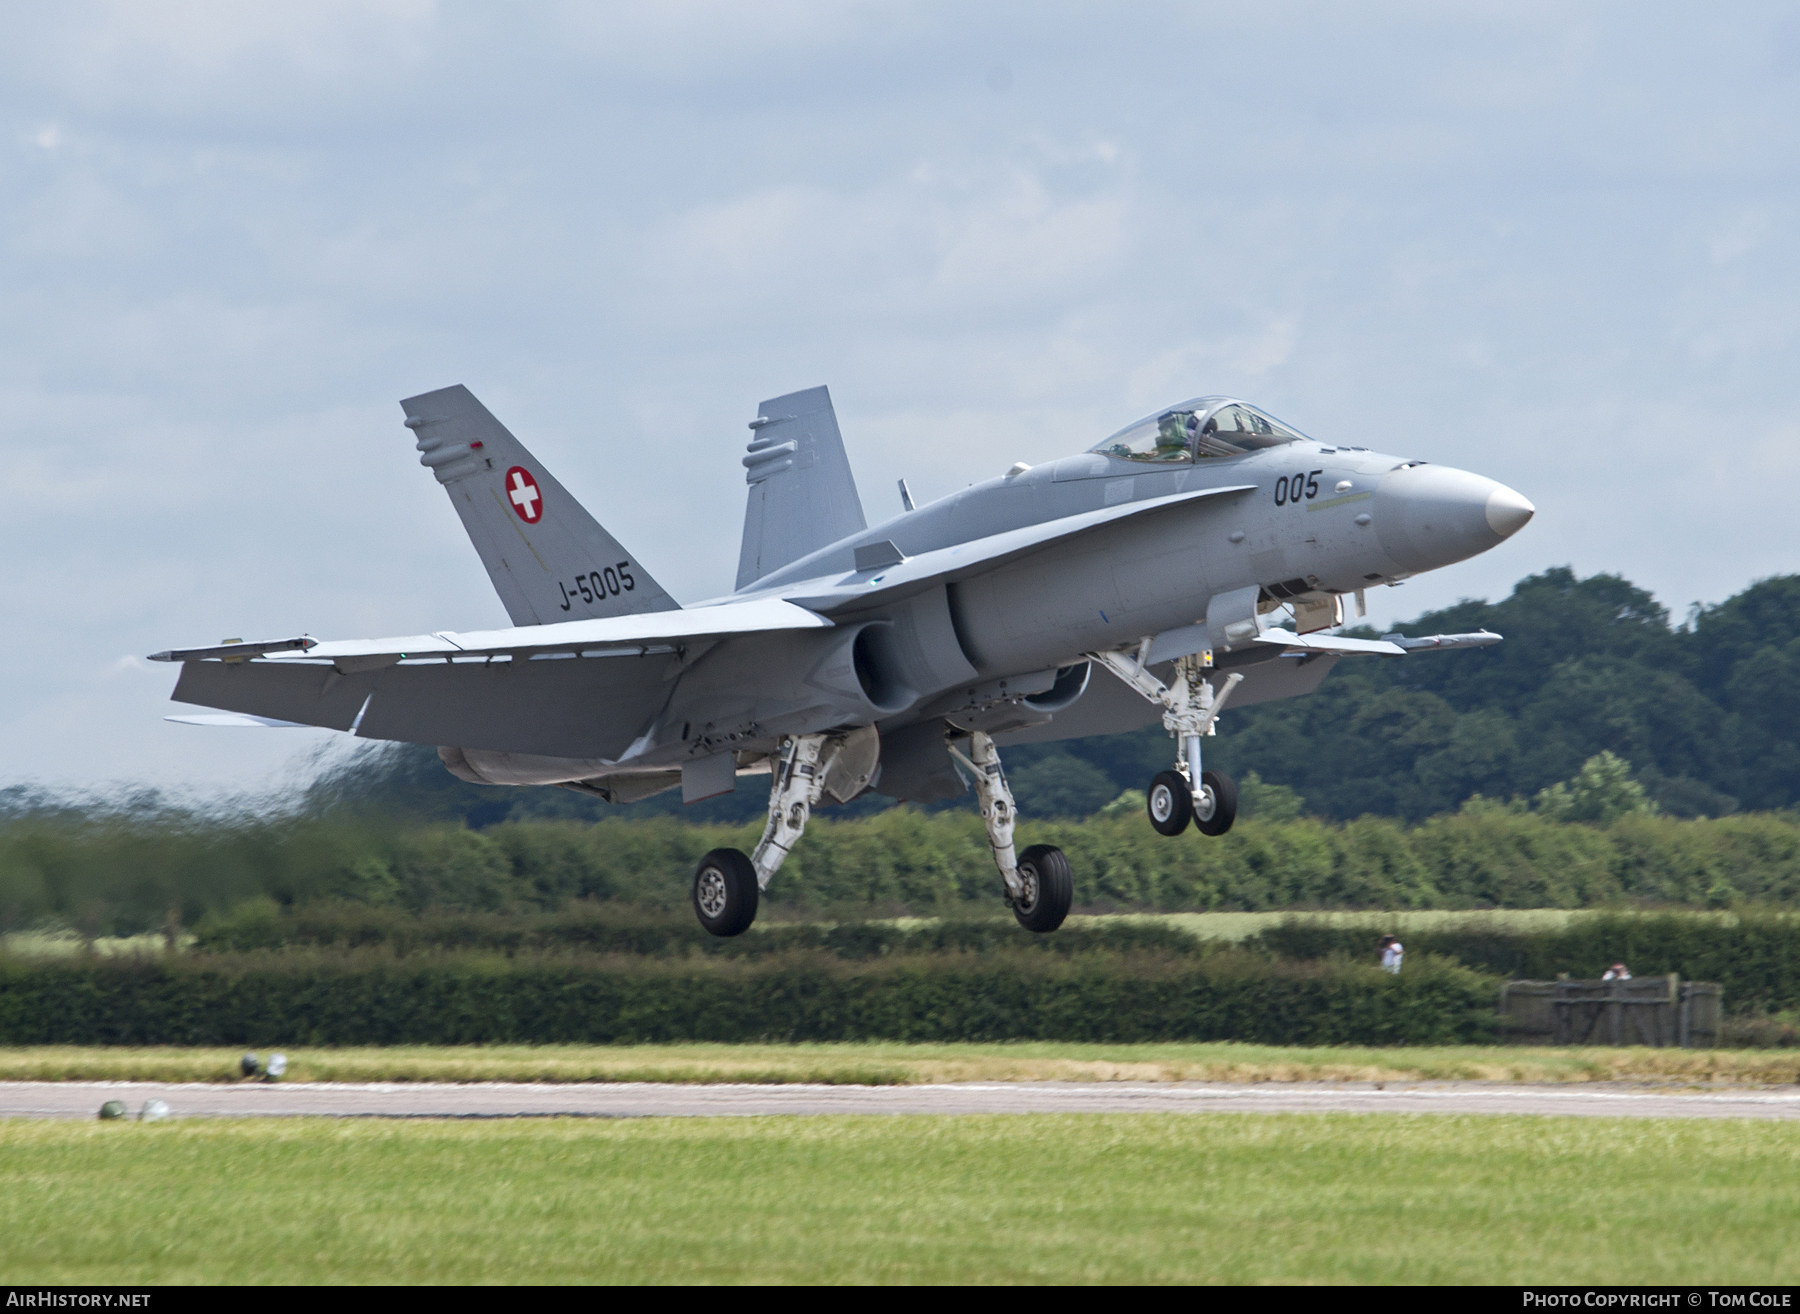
(1200, 556)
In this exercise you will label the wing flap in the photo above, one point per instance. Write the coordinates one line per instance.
(308, 695)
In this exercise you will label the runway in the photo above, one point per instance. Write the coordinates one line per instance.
(644, 1100)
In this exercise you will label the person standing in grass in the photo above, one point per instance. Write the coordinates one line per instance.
(1392, 951)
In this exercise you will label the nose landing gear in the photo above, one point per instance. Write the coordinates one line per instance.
(1186, 792)
(1172, 803)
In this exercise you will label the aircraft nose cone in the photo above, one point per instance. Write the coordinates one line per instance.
(1428, 516)
(1508, 511)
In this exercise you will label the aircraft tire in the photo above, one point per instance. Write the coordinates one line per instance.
(725, 892)
(1169, 802)
(1049, 888)
(1213, 816)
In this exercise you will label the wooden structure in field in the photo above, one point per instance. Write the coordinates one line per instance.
(1660, 1011)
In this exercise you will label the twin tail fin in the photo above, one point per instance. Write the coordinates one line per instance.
(548, 558)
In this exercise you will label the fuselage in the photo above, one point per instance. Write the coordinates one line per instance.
(1316, 520)
(1234, 508)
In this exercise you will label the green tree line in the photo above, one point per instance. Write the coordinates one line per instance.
(130, 873)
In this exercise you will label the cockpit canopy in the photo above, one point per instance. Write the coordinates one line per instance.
(1199, 429)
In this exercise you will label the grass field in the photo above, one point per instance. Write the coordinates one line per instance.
(1133, 1198)
(1236, 926)
(894, 1063)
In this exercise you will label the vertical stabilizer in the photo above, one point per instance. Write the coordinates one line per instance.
(549, 559)
(802, 494)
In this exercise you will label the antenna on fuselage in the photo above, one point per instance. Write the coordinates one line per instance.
(905, 496)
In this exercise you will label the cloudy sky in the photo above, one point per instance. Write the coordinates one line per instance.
(1555, 243)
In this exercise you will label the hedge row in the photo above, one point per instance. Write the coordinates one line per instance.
(294, 999)
(1755, 957)
(115, 875)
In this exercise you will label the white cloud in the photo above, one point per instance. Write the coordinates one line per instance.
(1230, 363)
(940, 239)
(1740, 234)
(1522, 238)
(192, 55)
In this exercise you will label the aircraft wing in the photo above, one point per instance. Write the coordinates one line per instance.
(573, 689)
(882, 572)
(1389, 645)
(1330, 643)
(617, 632)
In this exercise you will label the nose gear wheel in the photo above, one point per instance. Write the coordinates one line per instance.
(1170, 803)
(1215, 803)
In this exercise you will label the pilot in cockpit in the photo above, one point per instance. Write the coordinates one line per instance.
(1175, 435)
(1179, 435)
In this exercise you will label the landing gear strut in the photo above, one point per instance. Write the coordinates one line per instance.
(795, 790)
(1186, 792)
(1039, 884)
(727, 883)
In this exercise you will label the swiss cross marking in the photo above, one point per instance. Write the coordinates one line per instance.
(522, 491)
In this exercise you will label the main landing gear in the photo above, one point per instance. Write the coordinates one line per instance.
(1186, 792)
(1039, 884)
(728, 884)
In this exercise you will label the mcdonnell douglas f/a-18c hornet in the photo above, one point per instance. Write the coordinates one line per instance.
(1198, 557)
